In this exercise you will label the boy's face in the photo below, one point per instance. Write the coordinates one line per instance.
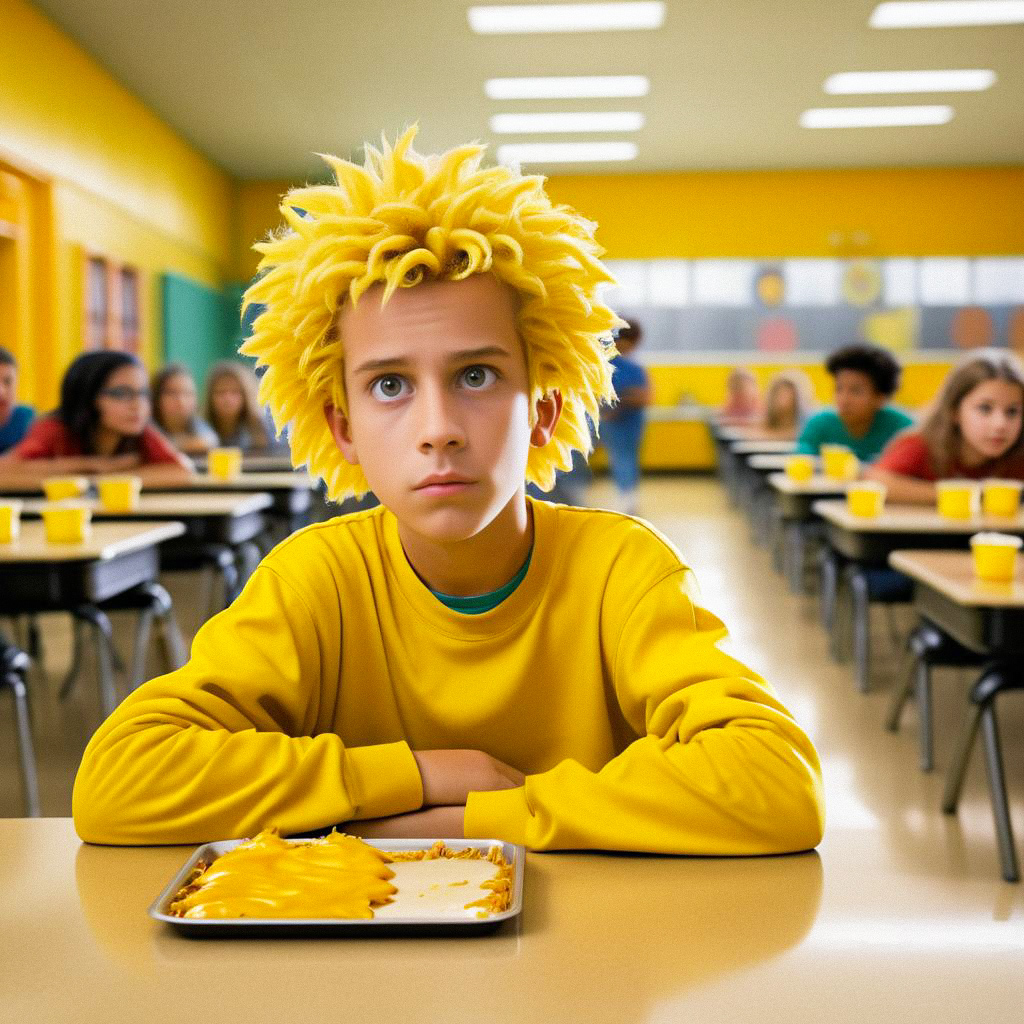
(438, 403)
(857, 401)
(8, 388)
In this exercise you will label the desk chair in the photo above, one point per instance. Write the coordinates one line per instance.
(13, 666)
(997, 678)
(928, 647)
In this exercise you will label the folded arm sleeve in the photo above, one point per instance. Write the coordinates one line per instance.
(229, 744)
(720, 766)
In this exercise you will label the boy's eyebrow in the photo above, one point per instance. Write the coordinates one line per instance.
(396, 362)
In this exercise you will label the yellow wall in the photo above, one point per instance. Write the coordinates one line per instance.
(116, 180)
(778, 214)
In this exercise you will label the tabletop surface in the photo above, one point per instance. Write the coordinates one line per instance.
(106, 540)
(818, 484)
(767, 462)
(912, 519)
(763, 447)
(951, 573)
(255, 463)
(166, 506)
(602, 938)
(291, 480)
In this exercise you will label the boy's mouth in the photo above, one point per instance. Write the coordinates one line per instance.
(441, 484)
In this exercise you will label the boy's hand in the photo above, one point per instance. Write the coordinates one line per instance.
(449, 776)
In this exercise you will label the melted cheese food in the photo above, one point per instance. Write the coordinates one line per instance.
(340, 876)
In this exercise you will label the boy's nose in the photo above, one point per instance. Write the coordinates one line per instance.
(438, 427)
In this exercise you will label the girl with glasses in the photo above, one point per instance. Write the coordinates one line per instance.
(102, 425)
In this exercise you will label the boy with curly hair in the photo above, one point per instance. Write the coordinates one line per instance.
(462, 660)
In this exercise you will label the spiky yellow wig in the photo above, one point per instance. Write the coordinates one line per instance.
(403, 218)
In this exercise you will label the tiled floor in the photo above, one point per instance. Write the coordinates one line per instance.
(877, 800)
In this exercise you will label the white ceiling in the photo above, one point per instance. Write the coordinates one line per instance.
(259, 86)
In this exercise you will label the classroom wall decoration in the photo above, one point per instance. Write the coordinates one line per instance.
(814, 305)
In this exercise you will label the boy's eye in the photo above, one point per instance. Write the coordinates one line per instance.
(388, 388)
(478, 376)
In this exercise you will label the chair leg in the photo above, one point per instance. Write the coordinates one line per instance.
(77, 653)
(104, 635)
(958, 766)
(997, 789)
(902, 691)
(829, 587)
(923, 688)
(26, 751)
(143, 627)
(861, 628)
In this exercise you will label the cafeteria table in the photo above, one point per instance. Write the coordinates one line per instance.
(862, 544)
(117, 559)
(602, 938)
(987, 618)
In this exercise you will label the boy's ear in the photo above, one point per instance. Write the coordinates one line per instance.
(337, 423)
(549, 409)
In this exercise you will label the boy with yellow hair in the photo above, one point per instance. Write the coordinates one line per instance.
(461, 660)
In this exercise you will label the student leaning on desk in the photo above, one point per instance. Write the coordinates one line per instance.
(461, 660)
(973, 431)
(102, 425)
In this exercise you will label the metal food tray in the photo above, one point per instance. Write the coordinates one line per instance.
(327, 926)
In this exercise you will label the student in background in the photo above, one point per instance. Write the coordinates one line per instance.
(742, 403)
(787, 404)
(623, 424)
(973, 430)
(866, 377)
(101, 426)
(175, 411)
(14, 419)
(233, 410)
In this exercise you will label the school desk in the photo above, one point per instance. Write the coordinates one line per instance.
(859, 544)
(118, 559)
(602, 938)
(292, 492)
(791, 507)
(987, 618)
(221, 530)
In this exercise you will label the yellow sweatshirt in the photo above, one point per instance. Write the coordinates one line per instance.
(600, 678)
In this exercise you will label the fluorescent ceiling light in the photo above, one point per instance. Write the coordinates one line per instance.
(565, 152)
(610, 121)
(603, 17)
(947, 13)
(875, 117)
(581, 88)
(856, 82)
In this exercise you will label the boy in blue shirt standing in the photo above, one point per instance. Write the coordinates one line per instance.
(866, 377)
(623, 424)
(14, 419)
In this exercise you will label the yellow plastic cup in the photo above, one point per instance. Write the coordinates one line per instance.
(225, 463)
(866, 499)
(800, 468)
(957, 499)
(1001, 498)
(67, 523)
(57, 488)
(839, 462)
(10, 521)
(995, 556)
(120, 493)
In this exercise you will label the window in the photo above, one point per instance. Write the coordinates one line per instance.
(112, 305)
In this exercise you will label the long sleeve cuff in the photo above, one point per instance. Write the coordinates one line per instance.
(498, 814)
(382, 780)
